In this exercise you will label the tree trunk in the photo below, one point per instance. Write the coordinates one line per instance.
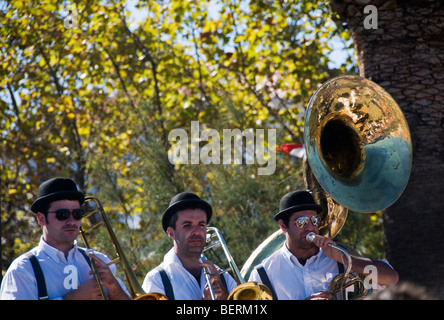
(405, 55)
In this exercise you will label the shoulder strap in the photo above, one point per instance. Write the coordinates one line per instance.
(83, 252)
(166, 283)
(265, 280)
(41, 285)
(224, 281)
(340, 268)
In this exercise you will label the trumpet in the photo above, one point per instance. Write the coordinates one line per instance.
(339, 283)
(136, 290)
(244, 290)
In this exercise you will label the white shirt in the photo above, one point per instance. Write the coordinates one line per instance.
(61, 274)
(185, 286)
(294, 281)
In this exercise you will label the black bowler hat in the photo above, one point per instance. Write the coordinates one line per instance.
(56, 189)
(182, 201)
(296, 201)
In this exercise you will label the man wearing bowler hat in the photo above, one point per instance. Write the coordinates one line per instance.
(302, 269)
(57, 268)
(181, 274)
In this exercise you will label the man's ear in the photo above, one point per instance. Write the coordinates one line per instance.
(282, 225)
(41, 219)
(170, 232)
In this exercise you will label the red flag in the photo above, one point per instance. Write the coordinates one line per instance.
(293, 149)
(287, 147)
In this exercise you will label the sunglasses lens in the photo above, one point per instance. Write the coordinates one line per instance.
(63, 214)
(316, 220)
(77, 214)
(301, 222)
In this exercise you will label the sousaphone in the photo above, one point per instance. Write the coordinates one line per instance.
(358, 152)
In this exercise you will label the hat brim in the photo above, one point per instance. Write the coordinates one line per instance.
(63, 195)
(183, 204)
(302, 207)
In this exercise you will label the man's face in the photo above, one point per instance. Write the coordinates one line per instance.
(190, 233)
(296, 234)
(56, 231)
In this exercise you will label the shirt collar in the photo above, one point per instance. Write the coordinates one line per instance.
(171, 257)
(54, 253)
(290, 257)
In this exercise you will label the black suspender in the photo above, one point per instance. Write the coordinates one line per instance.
(265, 280)
(83, 252)
(341, 270)
(224, 281)
(166, 283)
(41, 285)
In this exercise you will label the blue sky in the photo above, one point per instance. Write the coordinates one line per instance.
(337, 56)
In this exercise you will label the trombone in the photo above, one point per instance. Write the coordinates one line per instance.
(339, 283)
(244, 290)
(136, 290)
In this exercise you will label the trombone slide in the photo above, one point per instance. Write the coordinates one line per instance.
(208, 278)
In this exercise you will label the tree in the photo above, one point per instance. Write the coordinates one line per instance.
(402, 51)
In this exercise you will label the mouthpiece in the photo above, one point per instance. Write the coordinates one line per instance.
(310, 237)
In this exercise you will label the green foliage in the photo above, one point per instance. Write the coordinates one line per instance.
(363, 233)
(96, 102)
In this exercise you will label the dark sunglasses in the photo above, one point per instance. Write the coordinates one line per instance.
(303, 221)
(63, 214)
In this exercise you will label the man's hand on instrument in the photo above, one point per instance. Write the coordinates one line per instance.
(89, 290)
(108, 280)
(323, 295)
(220, 292)
(324, 243)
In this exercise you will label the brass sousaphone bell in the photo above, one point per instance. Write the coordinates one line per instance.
(358, 143)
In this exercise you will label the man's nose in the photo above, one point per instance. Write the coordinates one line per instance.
(196, 230)
(71, 219)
